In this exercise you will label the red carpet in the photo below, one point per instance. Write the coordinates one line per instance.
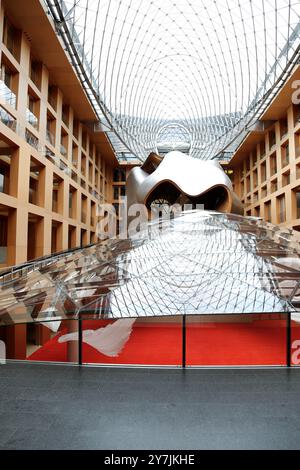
(261, 342)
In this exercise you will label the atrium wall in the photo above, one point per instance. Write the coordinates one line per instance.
(265, 169)
(54, 169)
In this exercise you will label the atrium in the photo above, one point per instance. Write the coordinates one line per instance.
(149, 224)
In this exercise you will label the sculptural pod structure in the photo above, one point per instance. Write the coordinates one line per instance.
(178, 178)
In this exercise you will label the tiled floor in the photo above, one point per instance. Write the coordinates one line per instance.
(63, 407)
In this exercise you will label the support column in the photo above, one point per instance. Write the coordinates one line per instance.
(72, 346)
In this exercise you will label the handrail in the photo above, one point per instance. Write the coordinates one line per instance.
(32, 265)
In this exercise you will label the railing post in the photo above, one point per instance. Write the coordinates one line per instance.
(183, 341)
(80, 341)
(288, 340)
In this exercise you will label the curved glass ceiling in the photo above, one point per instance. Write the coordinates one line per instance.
(197, 69)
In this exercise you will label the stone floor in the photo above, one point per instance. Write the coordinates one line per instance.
(63, 407)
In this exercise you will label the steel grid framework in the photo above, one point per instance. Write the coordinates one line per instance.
(203, 65)
(200, 262)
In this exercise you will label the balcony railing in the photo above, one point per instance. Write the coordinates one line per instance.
(8, 119)
(63, 150)
(32, 119)
(65, 168)
(7, 95)
(49, 154)
(31, 139)
(57, 162)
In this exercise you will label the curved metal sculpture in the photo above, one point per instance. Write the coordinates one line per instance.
(180, 179)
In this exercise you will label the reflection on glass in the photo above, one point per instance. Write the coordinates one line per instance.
(156, 341)
(200, 262)
(43, 341)
(237, 340)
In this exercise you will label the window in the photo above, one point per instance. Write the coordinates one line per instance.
(255, 178)
(242, 189)
(285, 155)
(3, 238)
(96, 177)
(84, 139)
(5, 161)
(268, 211)
(116, 192)
(272, 138)
(9, 36)
(263, 172)
(93, 213)
(297, 144)
(6, 75)
(83, 208)
(74, 176)
(257, 211)
(254, 158)
(296, 113)
(273, 164)
(75, 128)
(247, 164)
(286, 179)
(74, 154)
(297, 192)
(32, 111)
(35, 73)
(64, 143)
(274, 186)
(33, 189)
(90, 171)
(83, 165)
(281, 209)
(262, 148)
(57, 194)
(65, 114)
(52, 96)
(119, 175)
(248, 184)
(36, 187)
(7, 86)
(83, 237)
(72, 202)
(4, 179)
(50, 134)
(71, 237)
(116, 206)
(263, 192)
(56, 236)
(283, 128)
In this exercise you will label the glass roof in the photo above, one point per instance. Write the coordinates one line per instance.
(205, 66)
(199, 262)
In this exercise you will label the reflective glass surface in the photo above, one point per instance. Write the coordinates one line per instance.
(200, 262)
(179, 74)
(237, 340)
